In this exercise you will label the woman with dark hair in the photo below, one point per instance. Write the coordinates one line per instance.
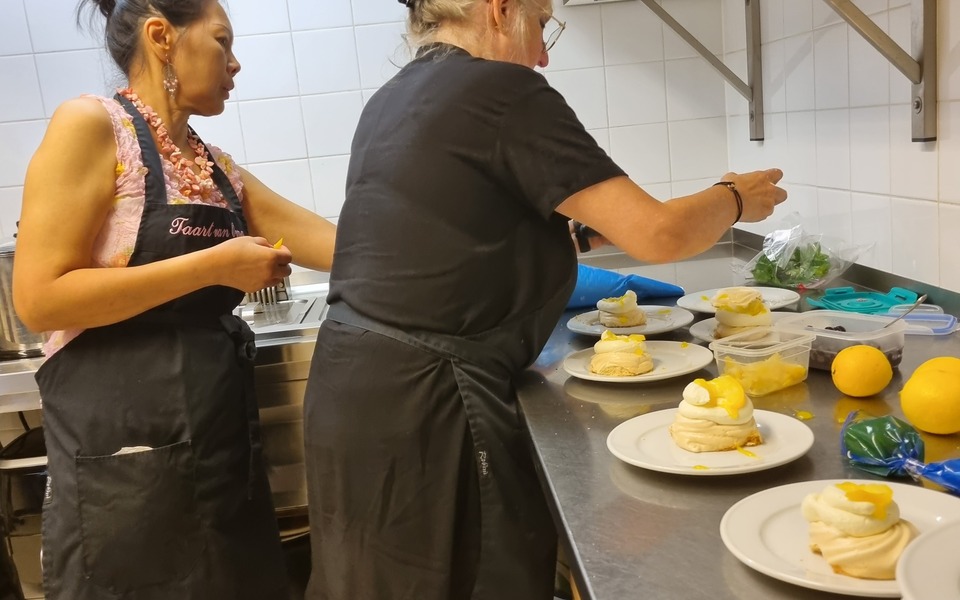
(453, 264)
(136, 242)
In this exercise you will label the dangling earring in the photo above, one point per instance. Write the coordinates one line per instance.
(170, 81)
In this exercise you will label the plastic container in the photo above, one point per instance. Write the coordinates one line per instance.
(764, 359)
(847, 299)
(858, 329)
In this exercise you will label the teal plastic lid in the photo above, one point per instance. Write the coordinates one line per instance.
(865, 303)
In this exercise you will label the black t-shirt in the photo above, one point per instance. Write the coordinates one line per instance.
(456, 168)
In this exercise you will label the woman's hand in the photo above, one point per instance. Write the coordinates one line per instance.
(759, 192)
(250, 263)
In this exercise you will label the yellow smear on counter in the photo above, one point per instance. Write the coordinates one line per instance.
(803, 415)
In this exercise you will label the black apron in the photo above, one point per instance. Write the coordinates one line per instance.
(156, 486)
(474, 523)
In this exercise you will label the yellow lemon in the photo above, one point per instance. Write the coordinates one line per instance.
(931, 401)
(950, 364)
(861, 371)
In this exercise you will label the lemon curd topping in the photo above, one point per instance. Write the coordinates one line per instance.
(725, 392)
(881, 496)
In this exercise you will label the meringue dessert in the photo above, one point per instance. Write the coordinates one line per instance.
(620, 355)
(857, 528)
(714, 416)
(739, 309)
(621, 311)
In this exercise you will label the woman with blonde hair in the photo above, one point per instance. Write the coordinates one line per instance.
(452, 266)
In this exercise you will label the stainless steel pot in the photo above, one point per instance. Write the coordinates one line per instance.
(16, 341)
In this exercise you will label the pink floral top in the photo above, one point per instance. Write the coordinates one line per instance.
(115, 242)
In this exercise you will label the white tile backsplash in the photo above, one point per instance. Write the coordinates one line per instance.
(329, 175)
(915, 239)
(702, 18)
(834, 211)
(311, 14)
(636, 94)
(798, 66)
(870, 149)
(913, 165)
(798, 16)
(833, 148)
(949, 154)
(18, 142)
(289, 178)
(381, 51)
(366, 12)
(694, 90)
(14, 33)
(251, 17)
(872, 226)
(9, 210)
(831, 80)
(21, 99)
(697, 148)
(638, 150)
(949, 225)
(319, 75)
(836, 112)
(631, 33)
(581, 44)
(329, 122)
(272, 130)
(223, 131)
(584, 92)
(65, 75)
(53, 26)
(268, 68)
(868, 69)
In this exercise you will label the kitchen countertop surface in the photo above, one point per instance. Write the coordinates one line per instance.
(635, 533)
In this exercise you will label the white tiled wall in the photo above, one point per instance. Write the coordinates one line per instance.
(849, 164)
(837, 119)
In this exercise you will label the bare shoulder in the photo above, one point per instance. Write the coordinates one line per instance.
(82, 118)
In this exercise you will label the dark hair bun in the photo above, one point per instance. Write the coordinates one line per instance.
(106, 6)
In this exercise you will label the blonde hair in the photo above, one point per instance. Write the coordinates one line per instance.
(426, 17)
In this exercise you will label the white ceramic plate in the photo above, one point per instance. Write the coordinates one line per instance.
(766, 532)
(928, 568)
(659, 320)
(670, 359)
(774, 298)
(645, 441)
(703, 330)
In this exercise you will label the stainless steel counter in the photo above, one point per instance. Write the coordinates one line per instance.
(632, 533)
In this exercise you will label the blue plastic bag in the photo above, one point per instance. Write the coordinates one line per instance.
(595, 284)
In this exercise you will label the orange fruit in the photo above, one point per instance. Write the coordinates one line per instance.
(861, 371)
(930, 399)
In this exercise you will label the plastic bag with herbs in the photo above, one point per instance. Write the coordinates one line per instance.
(889, 447)
(792, 258)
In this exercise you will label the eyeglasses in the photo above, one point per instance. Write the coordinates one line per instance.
(555, 34)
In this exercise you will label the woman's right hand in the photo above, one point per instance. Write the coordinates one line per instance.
(250, 263)
(759, 192)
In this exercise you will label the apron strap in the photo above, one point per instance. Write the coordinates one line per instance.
(446, 346)
(220, 178)
(154, 185)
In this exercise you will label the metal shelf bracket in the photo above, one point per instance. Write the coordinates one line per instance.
(752, 90)
(922, 70)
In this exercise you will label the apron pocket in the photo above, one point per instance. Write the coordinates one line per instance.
(139, 523)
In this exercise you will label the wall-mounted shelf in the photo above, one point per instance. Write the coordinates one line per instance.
(920, 67)
(752, 89)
